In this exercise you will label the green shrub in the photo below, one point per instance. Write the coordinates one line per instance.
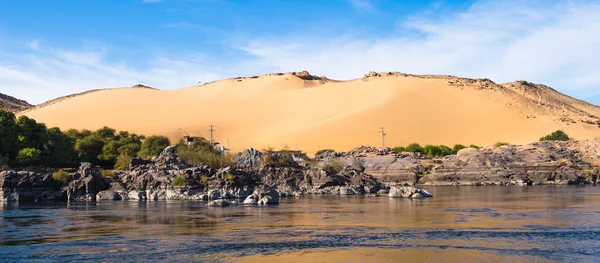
(204, 179)
(556, 136)
(474, 146)
(179, 181)
(334, 167)
(414, 147)
(122, 162)
(437, 150)
(202, 152)
(29, 156)
(458, 147)
(498, 144)
(229, 177)
(153, 145)
(324, 151)
(107, 173)
(62, 176)
(399, 149)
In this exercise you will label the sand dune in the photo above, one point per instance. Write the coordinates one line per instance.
(313, 113)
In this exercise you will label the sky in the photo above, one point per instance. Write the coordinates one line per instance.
(55, 48)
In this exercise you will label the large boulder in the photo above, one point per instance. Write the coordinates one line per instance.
(86, 184)
(263, 195)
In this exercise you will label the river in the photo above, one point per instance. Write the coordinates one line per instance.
(459, 224)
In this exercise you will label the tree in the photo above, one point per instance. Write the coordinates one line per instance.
(154, 145)
(105, 133)
(8, 136)
(59, 150)
(556, 136)
(31, 133)
(29, 156)
(89, 149)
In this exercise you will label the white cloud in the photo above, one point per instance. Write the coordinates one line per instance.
(551, 44)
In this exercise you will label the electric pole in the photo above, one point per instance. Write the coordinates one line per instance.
(211, 133)
(383, 134)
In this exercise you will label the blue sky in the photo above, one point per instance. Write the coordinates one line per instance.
(54, 48)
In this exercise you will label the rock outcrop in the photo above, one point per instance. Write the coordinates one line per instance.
(551, 162)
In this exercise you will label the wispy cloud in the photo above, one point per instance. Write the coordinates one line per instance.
(34, 44)
(362, 5)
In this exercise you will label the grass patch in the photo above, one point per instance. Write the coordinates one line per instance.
(334, 167)
(179, 181)
(107, 173)
(499, 144)
(62, 176)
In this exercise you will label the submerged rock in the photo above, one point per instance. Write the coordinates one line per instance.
(219, 203)
(408, 192)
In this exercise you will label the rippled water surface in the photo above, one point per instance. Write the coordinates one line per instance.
(460, 224)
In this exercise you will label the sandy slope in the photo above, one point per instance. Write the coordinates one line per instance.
(278, 110)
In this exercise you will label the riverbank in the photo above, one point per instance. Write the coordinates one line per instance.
(362, 171)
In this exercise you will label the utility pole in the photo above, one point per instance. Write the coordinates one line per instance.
(383, 134)
(211, 133)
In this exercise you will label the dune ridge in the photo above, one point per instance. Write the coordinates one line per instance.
(299, 110)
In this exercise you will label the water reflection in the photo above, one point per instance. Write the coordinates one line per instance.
(474, 223)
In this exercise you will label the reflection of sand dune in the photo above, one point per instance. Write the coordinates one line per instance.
(388, 255)
(313, 113)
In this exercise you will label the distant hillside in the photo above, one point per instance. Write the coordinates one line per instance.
(13, 104)
(309, 112)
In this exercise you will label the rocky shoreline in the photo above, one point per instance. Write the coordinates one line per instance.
(259, 179)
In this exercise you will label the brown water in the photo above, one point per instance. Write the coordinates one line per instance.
(460, 224)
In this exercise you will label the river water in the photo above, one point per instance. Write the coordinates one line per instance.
(459, 224)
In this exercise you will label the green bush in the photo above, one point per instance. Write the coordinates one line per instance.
(179, 181)
(437, 150)
(122, 162)
(153, 145)
(474, 146)
(399, 149)
(458, 147)
(324, 151)
(498, 144)
(29, 156)
(202, 152)
(62, 176)
(204, 179)
(556, 136)
(414, 147)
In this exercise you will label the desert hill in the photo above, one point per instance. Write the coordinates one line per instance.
(13, 104)
(309, 112)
